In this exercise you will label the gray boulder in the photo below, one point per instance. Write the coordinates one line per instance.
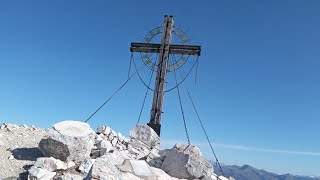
(186, 162)
(68, 141)
(146, 135)
(104, 168)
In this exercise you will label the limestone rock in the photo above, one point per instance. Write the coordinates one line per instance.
(129, 176)
(161, 175)
(114, 142)
(104, 144)
(40, 174)
(86, 166)
(51, 164)
(70, 164)
(68, 141)
(100, 129)
(186, 162)
(154, 158)
(68, 176)
(137, 167)
(132, 150)
(145, 134)
(104, 168)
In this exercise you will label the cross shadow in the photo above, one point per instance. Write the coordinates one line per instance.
(30, 154)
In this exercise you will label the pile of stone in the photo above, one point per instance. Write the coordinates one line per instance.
(74, 151)
(107, 140)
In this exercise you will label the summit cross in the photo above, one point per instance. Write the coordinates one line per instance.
(164, 50)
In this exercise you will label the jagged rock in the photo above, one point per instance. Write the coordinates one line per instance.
(137, 167)
(86, 166)
(68, 176)
(104, 168)
(161, 175)
(40, 174)
(132, 150)
(154, 158)
(24, 126)
(129, 176)
(100, 129)
(99, 137)
(104, 144)
(70, 164)
(114, 142)
(184, 161)
(68, 141)
(51, 164)
(104, 130)
(145, 134)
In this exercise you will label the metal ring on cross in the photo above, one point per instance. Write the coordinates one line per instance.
(176, 61)
(154, 36)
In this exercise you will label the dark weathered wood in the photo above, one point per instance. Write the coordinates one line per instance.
(173, 49)
(154, 109)
(164, 71)
(172, 46)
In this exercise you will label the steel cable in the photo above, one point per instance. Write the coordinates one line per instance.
(145, 97)
(200, 121)
(129, 78)
(183, 117)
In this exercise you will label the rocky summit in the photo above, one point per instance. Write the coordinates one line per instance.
(71, 150)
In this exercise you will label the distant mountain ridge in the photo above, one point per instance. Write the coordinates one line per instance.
(247, 172)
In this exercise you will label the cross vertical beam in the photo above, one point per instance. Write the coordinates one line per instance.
(160, 83)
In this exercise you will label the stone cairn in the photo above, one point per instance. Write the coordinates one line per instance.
(74, 151)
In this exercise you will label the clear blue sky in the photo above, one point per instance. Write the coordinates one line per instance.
(258, 81)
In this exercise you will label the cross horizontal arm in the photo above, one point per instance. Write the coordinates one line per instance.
(173, 48)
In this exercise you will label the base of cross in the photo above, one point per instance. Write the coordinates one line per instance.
(155, 127)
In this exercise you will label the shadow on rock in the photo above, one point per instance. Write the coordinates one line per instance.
(30, 154)
(23, 175)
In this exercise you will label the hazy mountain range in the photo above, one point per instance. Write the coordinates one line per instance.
(247, 172)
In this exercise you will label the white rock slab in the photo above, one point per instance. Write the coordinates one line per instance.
(137, 167)
(161, 175)
(86, 166)
(40, 174)
(51, 164)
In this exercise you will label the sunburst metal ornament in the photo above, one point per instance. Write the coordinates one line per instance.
(153, 36)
